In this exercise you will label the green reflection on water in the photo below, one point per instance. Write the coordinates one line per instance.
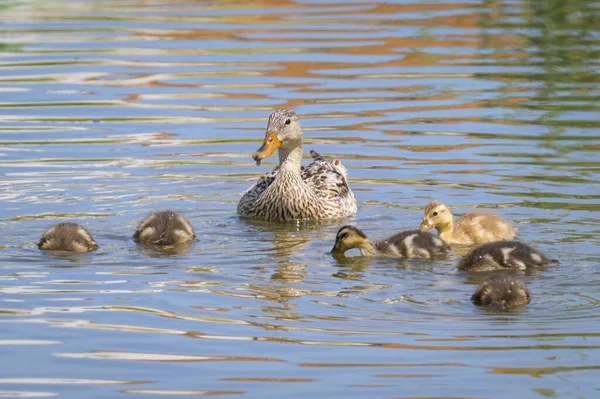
(560, 44)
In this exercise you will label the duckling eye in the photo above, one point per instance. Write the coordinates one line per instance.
(343, 236)
(434, 213)
(288, 121)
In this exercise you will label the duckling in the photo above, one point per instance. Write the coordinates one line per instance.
(473, 228)
(164, 228)
(501, 291)
(67, 236)
(502, 255)
(406, 244)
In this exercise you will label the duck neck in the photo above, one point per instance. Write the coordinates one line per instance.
(445, 228)
(368, 248)
(290, 160)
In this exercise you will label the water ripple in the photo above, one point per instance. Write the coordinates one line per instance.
(113, 109)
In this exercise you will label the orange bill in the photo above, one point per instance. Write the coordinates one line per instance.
(268, 147)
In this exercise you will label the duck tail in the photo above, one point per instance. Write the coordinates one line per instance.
(316, 156)
(335, 162)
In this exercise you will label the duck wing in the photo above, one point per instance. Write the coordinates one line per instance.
(327, 177)
(256, 190)
(325, 180)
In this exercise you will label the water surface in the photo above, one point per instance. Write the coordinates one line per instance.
(112, 109)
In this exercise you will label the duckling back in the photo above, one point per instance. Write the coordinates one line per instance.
(501, 291)
(67, 236)
(502, 255)
(483, 227)
(413, 244)
(164, 228)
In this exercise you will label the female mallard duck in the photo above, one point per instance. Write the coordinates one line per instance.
(406, 244)
(290, 191)
(473, 228)
(503, 255)
(67, 237)
(501, 291)
(164, 228)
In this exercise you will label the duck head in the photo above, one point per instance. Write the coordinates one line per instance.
(283, 131)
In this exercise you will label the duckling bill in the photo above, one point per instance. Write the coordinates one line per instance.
(503, 255)
(67, 236)
(164, 228)
(501, 291)
(406, 244)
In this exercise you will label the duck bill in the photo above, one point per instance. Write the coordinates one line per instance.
(268, 147)
(425, 225)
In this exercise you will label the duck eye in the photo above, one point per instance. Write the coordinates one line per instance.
(288, 121)
(343, 236)
(434, 213)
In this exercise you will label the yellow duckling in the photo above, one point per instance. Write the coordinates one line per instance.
(164, 228)
(504, 255)
(406, 244)
(501, 291)
(67, 236)
(473, 228)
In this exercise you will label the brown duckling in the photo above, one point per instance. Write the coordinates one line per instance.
(406, 244)
(67, 236)
(164, 228)
(473, 228)
(501, 291)
(503, 255)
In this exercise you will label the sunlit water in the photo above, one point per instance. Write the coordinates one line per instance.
(111, 109)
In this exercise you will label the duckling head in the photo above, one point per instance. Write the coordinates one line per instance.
(283, 131)
(164, 228)
(348, 237)
(501, 291)
(67, 236)
(437, 215)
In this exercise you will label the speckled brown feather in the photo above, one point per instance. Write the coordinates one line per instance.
(501, 291)
(319, 191)
(413, 244)
(67, 236)
(503, 255)
(164, 228)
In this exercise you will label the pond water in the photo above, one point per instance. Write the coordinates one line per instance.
(112, 109)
